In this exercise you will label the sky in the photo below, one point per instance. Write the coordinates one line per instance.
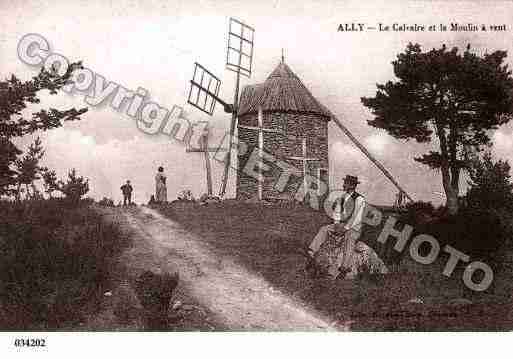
(154, 44)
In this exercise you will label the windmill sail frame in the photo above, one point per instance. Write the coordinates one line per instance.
(239, 54)
(201, 95)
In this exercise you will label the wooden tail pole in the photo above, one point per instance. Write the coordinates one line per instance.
(232, 130)
(369, 155)
(207, 165)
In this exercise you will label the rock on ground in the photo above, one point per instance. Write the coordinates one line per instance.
(367, 261)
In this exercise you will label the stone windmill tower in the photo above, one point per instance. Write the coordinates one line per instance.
(282, 118)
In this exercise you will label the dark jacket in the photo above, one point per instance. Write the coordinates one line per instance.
(126, 189)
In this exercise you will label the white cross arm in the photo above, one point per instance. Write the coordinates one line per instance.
(303, 159)
(261, 129)
(203, 150)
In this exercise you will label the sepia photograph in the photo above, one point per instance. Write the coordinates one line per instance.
(205, 167)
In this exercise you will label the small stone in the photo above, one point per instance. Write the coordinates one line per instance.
(176, 305)
(460, 301)
(416, 300)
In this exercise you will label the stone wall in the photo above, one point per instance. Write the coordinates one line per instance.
(294, 128)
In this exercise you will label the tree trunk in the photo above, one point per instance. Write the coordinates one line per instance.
(451, 192)
(452, 203)
(18, 192)
(35, 193)
(450, 175)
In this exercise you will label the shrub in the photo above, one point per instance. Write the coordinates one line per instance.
(477, 232)
(417, 213)
(185, 195)
(88, 201)
(206, 198)
(484, 223)
(75, 187)
(50, 181)
(490, 184)
(106, 202)
(489, 204)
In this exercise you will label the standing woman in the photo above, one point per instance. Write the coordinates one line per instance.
(160, 186)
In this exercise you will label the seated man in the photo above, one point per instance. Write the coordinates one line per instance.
(343, 233)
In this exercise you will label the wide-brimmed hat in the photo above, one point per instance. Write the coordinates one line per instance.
(351, 179)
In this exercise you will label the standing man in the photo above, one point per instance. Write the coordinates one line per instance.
(127, 193)
(347, 225)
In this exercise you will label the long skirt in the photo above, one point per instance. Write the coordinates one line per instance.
(161, 193)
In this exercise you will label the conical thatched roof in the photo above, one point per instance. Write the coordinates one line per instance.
(283, 91)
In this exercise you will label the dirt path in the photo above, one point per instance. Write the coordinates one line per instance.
(236, 298)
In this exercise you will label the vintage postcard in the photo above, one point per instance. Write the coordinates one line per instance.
(256, 166)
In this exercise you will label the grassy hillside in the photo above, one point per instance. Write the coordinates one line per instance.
(267, 238)
(55, 261)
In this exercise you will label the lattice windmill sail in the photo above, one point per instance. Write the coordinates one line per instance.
(204, 91)
(239, 55)
(205, 86)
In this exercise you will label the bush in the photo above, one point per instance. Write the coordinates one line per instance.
(484, 223)
(88, 201)
(206, 198)
(417, 213)
(106, 202)
(53, 261)
(489, 203)
(185, 195)
(490, 184)
(75, 187)
(478, 232)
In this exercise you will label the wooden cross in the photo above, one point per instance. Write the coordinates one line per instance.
(305, 160)
(205, 150)
(321, 174)
(260, 128)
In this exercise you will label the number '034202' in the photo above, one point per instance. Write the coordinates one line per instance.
(29, 342)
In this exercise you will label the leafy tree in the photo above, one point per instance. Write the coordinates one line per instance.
(28, 168)
(50, 182)
(75, 187)
(8, 154)
(453, 97)
(15, 96)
